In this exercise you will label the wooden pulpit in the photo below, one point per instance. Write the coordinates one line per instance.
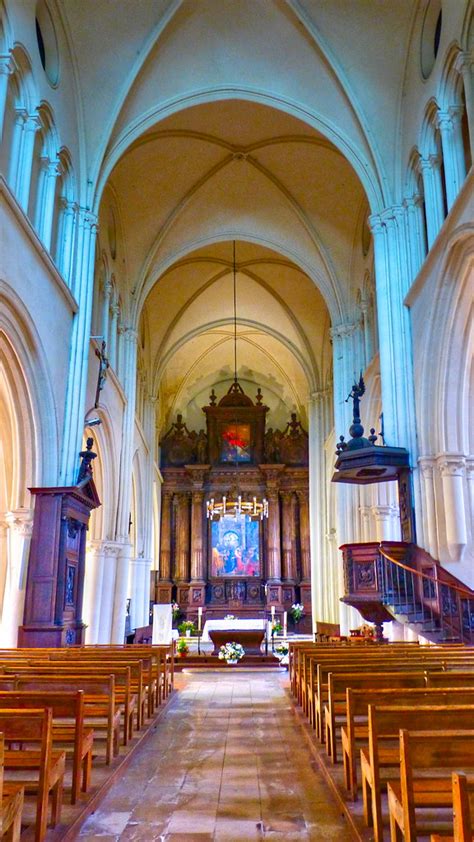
(55, 579)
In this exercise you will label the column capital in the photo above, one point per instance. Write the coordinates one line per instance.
(343, 330)
(21, 521)
(130, 334)
(319, 395)
(451, 465)
(7, 65)
(426, 465)
(302, 494)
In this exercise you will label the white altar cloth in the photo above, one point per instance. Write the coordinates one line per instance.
(211, 625)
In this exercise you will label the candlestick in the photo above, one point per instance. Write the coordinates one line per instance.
(273, 613)
(285, 623)
(199, 618)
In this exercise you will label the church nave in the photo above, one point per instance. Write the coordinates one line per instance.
(226, 762)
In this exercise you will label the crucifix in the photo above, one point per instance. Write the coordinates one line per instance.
(102, 374)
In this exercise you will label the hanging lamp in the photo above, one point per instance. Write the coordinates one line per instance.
(236, 504)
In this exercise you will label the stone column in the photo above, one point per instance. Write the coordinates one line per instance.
(6, 68)
(165, 536)
(65, 245)
(79, 357)
(139, 606)
(288, 531)
(182, 537)
(20, 527)
(317, 429)
(386, 522)
(111, 551)
(106, 310)
(433, 189)
(94, 576)
(452, 469)
(44, 214)
(29, 126)
(429, 507)
(121, 592)
(470, 486)
(416, 235)
(112, 350)
(450, 128)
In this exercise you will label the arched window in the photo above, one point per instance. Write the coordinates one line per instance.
(20, 123)
(414, 203)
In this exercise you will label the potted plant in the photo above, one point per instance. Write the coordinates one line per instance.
(297, 611)
(276, 627)
(231, 653)
(182, 648)
(175, 611)
(187, 628)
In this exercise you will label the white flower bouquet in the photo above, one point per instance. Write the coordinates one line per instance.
(230, 617)
(231, 652)
(297, 611)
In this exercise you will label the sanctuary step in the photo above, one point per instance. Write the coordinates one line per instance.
(213, 662)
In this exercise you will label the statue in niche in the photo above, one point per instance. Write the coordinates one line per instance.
(293, 443)
(271, 446)
(178, 444)
(201, 448)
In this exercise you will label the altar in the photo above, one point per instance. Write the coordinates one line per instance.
(249, 633)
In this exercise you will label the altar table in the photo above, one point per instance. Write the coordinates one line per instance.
(249, 633)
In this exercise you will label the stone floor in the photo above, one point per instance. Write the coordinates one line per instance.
(225, 762)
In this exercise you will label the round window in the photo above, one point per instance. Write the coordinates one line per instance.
(430, 36)
(47, 43)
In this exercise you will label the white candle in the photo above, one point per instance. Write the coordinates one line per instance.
(273, 613)
(285, 623)
(199, 618)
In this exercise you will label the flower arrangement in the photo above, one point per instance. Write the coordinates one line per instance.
(281, 650)
(230, 617)
(297, 611)
(182, 648)
(187, 628)
(276, 627)
(175, 610)
(231, 652)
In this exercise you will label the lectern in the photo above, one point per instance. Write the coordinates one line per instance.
(55, 579)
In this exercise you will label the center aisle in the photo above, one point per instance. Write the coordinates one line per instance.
(227, 762)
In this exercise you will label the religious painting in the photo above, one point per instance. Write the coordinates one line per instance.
(235, 547)
(235, 439)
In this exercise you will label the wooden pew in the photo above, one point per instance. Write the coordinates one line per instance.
(463, 809)
(421, 751)
(35, 726)
(101, 708)
(356, 730)
(64, 706)
(335, 710)
(11, 804)
(123, 685)
(383, 749)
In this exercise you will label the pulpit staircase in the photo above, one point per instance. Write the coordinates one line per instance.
(399, 581)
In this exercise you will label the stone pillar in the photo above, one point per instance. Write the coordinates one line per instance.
(450, 128)
(93, 581)
(317, 429)
(386, 521)
(452, 469)
(6, 68)
(470, 486)
(65, 244)
(288, 565)
(124, 557)
(433, 190)
(140, 594)
(112, 349)
(106, 310)
(44, 211)
(365, 512)
(429, 506)
(182, 538)
(29, 125)
(79, 357)
(19, 524)
(416, 235)
(111, 551)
